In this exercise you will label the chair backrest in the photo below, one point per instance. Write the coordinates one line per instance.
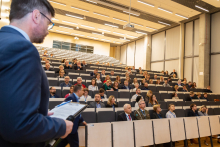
(122, 103)
(89, 117)
(180, 113)
(114, 93)
(105, 116)
(124, 94)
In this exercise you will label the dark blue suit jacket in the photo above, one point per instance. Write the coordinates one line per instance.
(24, 94)
(79, 118)
(55, 95)
(126, 88)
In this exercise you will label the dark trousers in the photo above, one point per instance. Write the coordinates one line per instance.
(72, 139)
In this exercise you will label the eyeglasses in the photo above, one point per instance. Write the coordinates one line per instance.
(51, 23)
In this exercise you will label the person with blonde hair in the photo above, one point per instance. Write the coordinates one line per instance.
(106, 78)
(143, 81)
(161, 79)
(61, 67)
(111, 102)
(115, 86)
(148, 96)
(61, 74)
(152, 101)
(107, 86)
(118, 79)
(134, 81)
(176, 87)
(198, 95)
(157, 112)
(98, 78)
(44, 59)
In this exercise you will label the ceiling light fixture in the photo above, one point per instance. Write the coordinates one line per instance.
(92, 37)
(77, 34)
(131, 13)
(100, 14)
(106, 40)
(111, 25)
(145, 3)
(57, 3)
(151, 28)
(181, 16)
(74, 16)
(201, 8)
(124, 39)
(104, 30)
(132, 36)
(137, 24)
(65, 27)
(70, 22)
(97, 34)
(88, 26)
(62, 31)
(79, 9)
(119, 19)
(141, 33)
(164, 23)
(165, 10)
(119, 42)
(118, 33)
(91, 1)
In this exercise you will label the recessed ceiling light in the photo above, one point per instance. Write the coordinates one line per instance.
(164, 23)
(181, 16)
(70, 22)
(104, 30)
(137, 24)
(151, 28)
(201, 8)
(97, 34)
(141, 33)
(132, 36)
(119, 42)
(74, 16)
(145, 3)
(118, 33)
(62, 31)
(124, 39)
(100, 14)
(91, 1)
(77, 34)
(65, 27)
(119, 19)
(111, 25)
(131, 13)
(88, 26)
(58, 3)
(79, 9)
(164, 10)
(105, 40)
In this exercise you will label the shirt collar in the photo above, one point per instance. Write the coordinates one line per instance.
(76, 96)
(20, 31)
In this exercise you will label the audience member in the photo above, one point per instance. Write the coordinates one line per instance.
(158, 82)
(115, 86)
(97, 63)
(165, 84)
(140, 72)
(157, 112)
(144, 75)
(205, 96)
(93, 85)
(141, 113)
(174, 76)
(92, 74)
(74, 62)
(98, 78)
(138, 99)
(174, 72)
(97, 103)
(203, 111)
(78, 66)
(61, 74)
(133, 69)
(45, 53)
(53, 93)
(170, 113)
(185, 83)
(102, 93)
(85, 97)
(128, 79)
(166, 72)
(67, 65)
(155, 77)
(106, 78)
(44, 59)
(198, 95)
(184, 88)
(127, 115)
(111, 102)
(193, 86)
(176, 88)
(47, 67)
(136, 86)
(161, 79)
(71, 91)
(189, 84)
(134, 81)
(139, 68)
(118, 79)
(192, 95)
(148, 77)
(145, 86)
(60, 68)
(148, 96)
(66, 82)
(162, 72)
(129, 71)
(208, 89)
(47, 61)
(107, 86)
(143, 81)
(84, 63)
(103, 73)
(79, 81)
(152, 101)
(63, 61)
(112, 73)
(175, 96)
(179, 83)
(126, 86)
(169, 79)
(193, 110)
(138, 93)
(194, 83)
(107, 64)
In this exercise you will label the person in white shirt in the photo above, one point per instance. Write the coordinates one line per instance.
(166, 83)
(85, 97)
(93, 85)
(138, 93)
(170, 113)
(98, 79)
(136, 85)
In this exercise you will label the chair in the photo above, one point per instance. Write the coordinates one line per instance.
(117, 113)
(164, 96)
(123, 94)
(89, 117)
(50, 73)
(163, 105)
(122, 103)
(65, 91)
(163, 112)
(152, 88)
(216, 111)
(52, 81)
(114, 93)
(179, 103)
(180, 113)
(211, 111)
(168, 89)
(105, 116)
(160, 88)
(186, 112)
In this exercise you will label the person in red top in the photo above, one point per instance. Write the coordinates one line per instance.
(106, 79)
(71, 92)
(79, 81)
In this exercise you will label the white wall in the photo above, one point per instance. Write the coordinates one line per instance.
(158, 41)
(123, 54)
(157, 66)
(130, 54)
(140, 54)
(188, 39)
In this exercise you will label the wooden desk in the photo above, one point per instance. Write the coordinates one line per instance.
(191, 127)
(161, 131)
(177, 129)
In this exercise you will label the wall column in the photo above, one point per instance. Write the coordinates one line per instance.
(148, 47)
(117, 53)
(204, 50)
(181, 50)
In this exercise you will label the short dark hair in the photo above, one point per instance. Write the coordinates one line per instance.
(192, 105)
(101, 90)
(86, 89)
(20, 8)
(138, 98)
(77, 87)
(171, 105)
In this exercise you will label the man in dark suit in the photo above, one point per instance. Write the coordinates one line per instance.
(126, 86)
(47, 67)
(127, 115)
(24, 109)
(78, 66)
(174, 72)
(53, 93)
(73, 138)
(97, 103)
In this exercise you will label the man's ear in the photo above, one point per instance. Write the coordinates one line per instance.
(36, 16)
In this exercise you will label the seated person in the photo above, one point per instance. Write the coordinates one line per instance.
(61, 74)
(47, 67)
(138, 93)
(128, 79)
(193, 110)
(74, 62)
(127, 115)
(189, 84)
(71, 91)
(93, 85)
(203, 111)
(162, 72)
(92, 74)
(141, 113)
(192, 87)
(97, 103)
(129, 71)
(185, 83)
(205, 96)
(140, 72)
(166, 72)
(148, 77)
(174, 72)
(53, 93)
(157, 112)
(67, 65)
(161, 79)
(143, 81)
(148, 96)
(66, 82)
(198, 95)
(158, 82)
(108, 64)
(170, 113)
(137, 100)
(194, 83)
(60, 68)
(184, 88)
(98, 78)
(145, 86)
(44, 59)
(85, 97)
(144, 75)
(103, 73)
(139, 68)
(165, 84)
(79, 81)
(176, 88)
(126, 86)
(208, 89)
(102, 93)
(179, 83)
(84, 63)
(135, 81)
(111, 102)
(192, 95)
(155, 77)
(151, 81)
(118, 79)
(152, 101)
(63, 61)
(169, 79)
(107, 86)
(174, 76)
(175, 96)
(115, 86)
(97, 63)
(106, 78)
(112, 73)
(136, 85)
(78, 66)
(47, 61)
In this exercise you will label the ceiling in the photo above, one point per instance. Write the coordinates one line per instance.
(103, 20)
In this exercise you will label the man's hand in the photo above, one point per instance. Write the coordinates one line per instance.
(69, 127)
(50, 113)
(84, 123)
